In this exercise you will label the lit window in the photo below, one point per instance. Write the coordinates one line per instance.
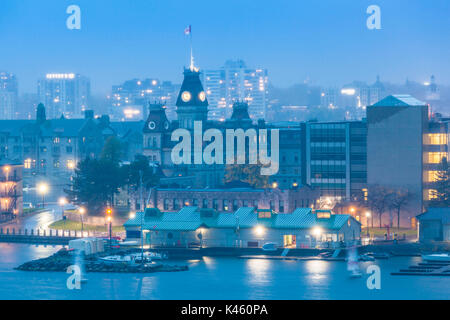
(430, 176)
(27, 164)
(434, 157)
(435, 139)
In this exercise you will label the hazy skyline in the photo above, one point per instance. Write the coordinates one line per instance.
(327, 41)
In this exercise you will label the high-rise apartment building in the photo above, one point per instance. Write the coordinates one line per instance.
(236, 82)
(129, 100)
(64, 94)
(8, 95)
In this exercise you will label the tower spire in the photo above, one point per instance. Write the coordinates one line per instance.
(188, 32)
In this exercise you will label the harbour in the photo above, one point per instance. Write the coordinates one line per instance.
(235, 279)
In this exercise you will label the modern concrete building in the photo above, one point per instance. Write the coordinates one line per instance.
(397, 157)
(11, 189)
(336, 158)
(246, 227)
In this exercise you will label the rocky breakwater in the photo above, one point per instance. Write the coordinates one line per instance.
(60, 262)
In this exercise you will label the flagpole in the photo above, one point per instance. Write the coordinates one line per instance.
(192, 50)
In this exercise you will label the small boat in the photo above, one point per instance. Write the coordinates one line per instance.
(117, 259)
(270, 247)
(442, 257)
(128, 243)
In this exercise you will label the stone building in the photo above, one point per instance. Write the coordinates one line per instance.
(229, 200)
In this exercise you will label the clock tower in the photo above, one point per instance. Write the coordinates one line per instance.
(192, 104)
(156, 131)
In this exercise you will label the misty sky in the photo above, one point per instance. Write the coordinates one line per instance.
(326, 41)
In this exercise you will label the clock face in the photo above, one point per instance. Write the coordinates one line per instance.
(202, 96)
(186, 96)
(152, 125)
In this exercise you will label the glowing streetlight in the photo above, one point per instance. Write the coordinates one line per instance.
(42, 189)
(368, 215)
(62, 202)
(317, 231)
(132, 215)
(352, 210)
(82, 211)
(259, 231)
(109, 213)
(274, 185)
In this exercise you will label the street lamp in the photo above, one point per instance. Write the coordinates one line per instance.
(42, 189)
(109, 219)
(368, 215)
(7, 169)
(82, 211)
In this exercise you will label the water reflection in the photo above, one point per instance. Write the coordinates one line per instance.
(258, 271)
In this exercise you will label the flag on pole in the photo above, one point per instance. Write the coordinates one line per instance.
(188, 30)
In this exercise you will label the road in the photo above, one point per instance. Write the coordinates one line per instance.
(40, 220)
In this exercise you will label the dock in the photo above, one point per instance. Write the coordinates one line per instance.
(265, 257)
(436, 269)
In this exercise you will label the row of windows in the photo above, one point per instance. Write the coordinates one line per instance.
(224, 205)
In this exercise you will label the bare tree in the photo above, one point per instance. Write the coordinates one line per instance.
(399, 199)
(378, 200)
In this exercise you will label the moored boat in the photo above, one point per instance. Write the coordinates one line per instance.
(442, 257)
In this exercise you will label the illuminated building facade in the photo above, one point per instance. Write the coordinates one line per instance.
(129, 100)
(236, 82)
(11, 197)
(64, 94)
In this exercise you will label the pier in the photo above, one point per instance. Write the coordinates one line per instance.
(54, 237)
(436, 269)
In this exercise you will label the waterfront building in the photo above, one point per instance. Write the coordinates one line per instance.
(11, 194)
(245, 227)
(405, 148)
(434, 225)
(8, 96)
(64, 94)
(236, 82)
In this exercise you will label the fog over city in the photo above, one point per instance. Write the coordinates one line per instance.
(323, 42)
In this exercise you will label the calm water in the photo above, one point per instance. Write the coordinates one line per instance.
(218, 278)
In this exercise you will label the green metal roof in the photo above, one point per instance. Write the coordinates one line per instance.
(190, 219)
(399, 100)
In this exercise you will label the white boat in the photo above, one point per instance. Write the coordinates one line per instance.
(117, 259)
(270, 247)
(365, 257)
(443, 257)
